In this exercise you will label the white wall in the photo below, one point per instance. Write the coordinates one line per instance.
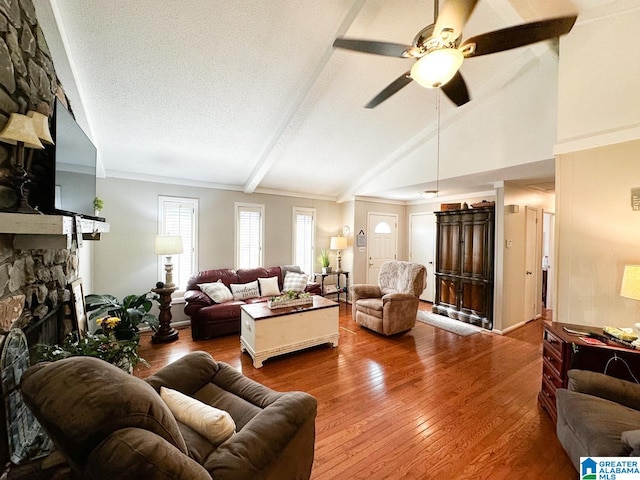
(598, 94)
(124, 260)
(474, 138)
(514, 257)
(362, 208)
(597, 233)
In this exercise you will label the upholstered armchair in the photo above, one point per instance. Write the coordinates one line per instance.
(111, 425)
(391, 306)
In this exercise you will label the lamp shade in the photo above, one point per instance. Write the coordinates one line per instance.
(41, 126)
(631, 282)
(168, 244)
(338, 243)
(437, 67)
(19, 128)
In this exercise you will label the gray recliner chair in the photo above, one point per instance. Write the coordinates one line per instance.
(598, 416)
(391, 306)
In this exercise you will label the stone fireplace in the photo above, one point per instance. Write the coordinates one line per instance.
(34, 291)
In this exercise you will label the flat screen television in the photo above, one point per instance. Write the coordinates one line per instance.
(65, 173)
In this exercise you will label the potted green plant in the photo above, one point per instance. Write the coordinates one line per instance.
(98, 204)
(323, 258)
(121, 353)
(132, 311)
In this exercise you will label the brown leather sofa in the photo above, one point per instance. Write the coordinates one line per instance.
(210, 319)
(111, 425)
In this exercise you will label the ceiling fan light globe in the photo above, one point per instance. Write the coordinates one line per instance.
(437, 67)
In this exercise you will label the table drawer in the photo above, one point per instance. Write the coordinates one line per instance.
(553, 360)
(551, 342)
(551, 375)
(548, 398)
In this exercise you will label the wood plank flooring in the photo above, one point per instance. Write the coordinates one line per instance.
(426, 404)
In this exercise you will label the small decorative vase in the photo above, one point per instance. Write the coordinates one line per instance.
(326, 270)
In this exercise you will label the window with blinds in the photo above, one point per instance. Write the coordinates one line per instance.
(304, 232)
(179, 216)
(249, 235)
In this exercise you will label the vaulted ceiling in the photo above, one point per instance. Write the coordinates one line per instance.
(250, 95)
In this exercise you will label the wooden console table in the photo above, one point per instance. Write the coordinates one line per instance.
(562, 351)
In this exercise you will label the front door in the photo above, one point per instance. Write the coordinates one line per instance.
(382, 245)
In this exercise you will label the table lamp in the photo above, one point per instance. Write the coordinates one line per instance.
(631, 285)
(168, 245)
(338, 243)
(20, 131)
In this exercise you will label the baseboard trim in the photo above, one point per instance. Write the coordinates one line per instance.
(509, 329)
(182, 323)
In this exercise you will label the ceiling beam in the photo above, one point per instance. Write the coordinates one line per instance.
(268, 158)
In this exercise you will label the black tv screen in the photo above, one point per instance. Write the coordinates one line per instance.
(65, 173)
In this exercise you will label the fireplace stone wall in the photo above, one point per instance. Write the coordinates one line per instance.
(33, 283)
(28, 81)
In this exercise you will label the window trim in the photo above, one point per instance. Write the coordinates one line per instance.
(238, 206)
(195, 203)
(295, 212)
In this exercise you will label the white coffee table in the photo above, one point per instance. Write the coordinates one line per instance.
(266, 333)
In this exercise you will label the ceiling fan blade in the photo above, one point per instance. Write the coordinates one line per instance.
(453, 15)
(456, 90)
(370, 46)
(399, 83)
(518, 36)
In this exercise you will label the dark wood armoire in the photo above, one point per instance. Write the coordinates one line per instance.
(464, 265)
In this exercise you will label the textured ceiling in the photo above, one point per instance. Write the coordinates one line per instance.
(250, 95)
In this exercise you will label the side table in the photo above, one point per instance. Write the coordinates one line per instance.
(562, 351)
(166, 333)
(339, 289)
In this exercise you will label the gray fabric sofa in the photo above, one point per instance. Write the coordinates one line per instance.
(598, 416)
(111, 425)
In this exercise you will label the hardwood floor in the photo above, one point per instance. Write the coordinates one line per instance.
(426, 404)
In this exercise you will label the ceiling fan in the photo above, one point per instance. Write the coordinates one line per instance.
(439, 50)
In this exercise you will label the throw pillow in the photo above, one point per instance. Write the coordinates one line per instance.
(212, 423)
(245, 290)
(269, 286)
(217, 291)
(295, 282)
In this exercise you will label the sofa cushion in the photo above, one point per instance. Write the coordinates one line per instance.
(245, 290)
(214, 424)
(256, 300)
(227, 275)
(217, 291)
(95, 399)
(246, 275)
(222, 311)
(596, 423)
(269, 286)
(295, 282)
